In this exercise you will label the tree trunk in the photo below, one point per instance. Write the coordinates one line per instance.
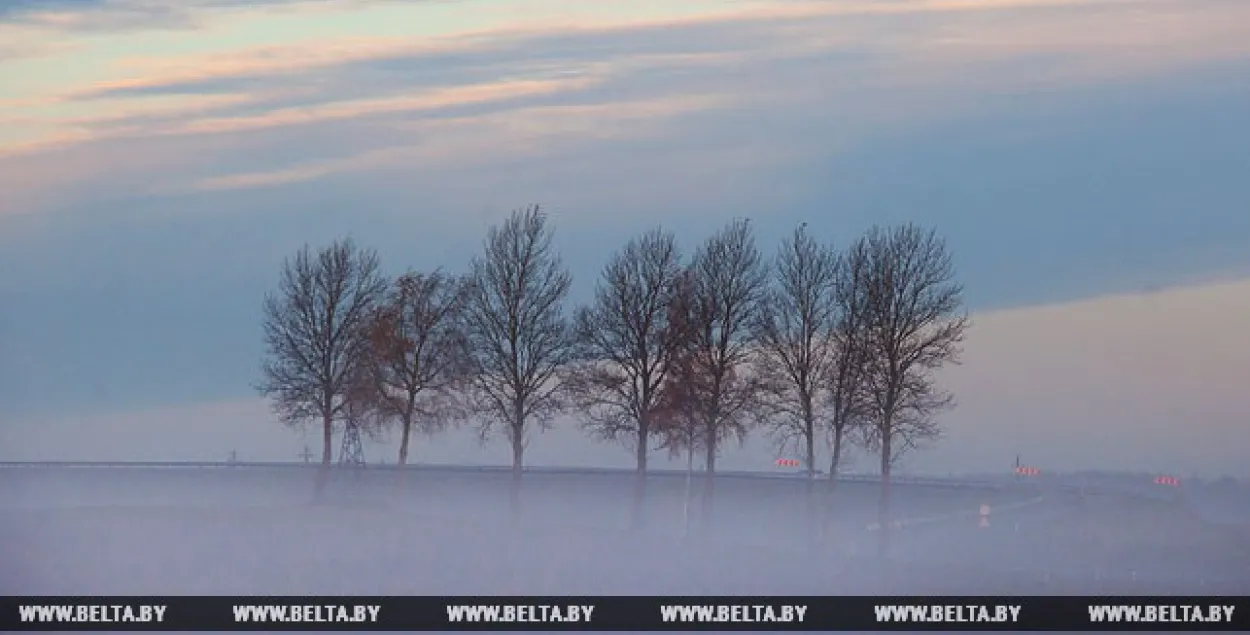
(709, 479)
(640, 482)
(836, 458)
(327, 452)
(327, 439)
(883, 504)
(810, 484)
(811, 452)
(518, 460)
(405, 435)
(834, 464)
(685, 509)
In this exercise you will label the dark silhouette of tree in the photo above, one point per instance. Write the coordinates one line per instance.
(519, 337)
(728, 280)
(796, 328)
(420, 353)
(844, 381)
(314, 335)
(914, 326)
(626, 348)
(677, 417)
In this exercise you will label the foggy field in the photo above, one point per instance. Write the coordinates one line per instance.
(256, 531)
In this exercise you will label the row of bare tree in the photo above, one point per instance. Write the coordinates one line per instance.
(676, 353)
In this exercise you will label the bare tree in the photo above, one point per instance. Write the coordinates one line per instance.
(518, 334)
(844, 380)
(314, 337)
(728, 278)
(626, 347)
(420, 353)
(677, 416)
(915, 325)
(795, 328)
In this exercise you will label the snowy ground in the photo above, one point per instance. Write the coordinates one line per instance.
(244, 531)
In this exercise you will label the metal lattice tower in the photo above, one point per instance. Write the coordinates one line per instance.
(352, 454)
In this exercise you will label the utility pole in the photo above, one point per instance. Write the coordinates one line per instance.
(352, 453)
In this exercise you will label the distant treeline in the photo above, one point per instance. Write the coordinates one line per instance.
(818, 344)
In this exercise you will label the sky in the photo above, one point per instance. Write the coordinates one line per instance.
(1085, 160)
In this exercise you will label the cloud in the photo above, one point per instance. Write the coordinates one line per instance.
(103, 17)
(858, 61)
(375, 63)
(401, 104)
(18, 50)
(112, 16)
(502, 137)
(263, 179)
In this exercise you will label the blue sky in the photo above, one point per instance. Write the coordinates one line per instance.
(158, 160)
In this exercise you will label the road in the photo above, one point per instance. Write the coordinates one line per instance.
(1096, 543)
(585, 499)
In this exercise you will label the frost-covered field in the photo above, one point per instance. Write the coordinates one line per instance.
(257, 531)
